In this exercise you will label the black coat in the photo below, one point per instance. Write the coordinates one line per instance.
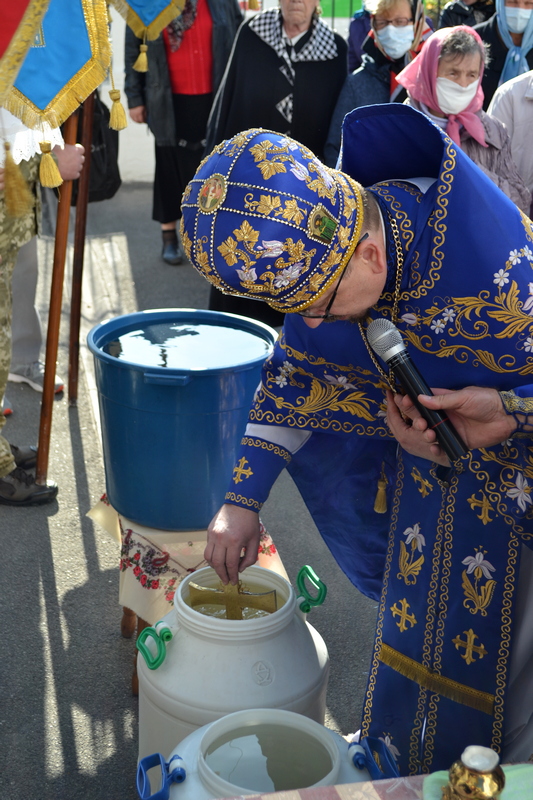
(153, 90)
(498, 53)
(459, 13)
(254, 84)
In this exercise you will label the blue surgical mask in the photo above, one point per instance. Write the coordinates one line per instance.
(517, 18)
(396, 41)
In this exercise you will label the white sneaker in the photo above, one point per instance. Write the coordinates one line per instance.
(33, 375)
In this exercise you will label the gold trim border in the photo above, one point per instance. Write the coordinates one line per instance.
(453, 690)
(19, 45)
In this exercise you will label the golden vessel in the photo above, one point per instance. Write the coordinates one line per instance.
(476, 776)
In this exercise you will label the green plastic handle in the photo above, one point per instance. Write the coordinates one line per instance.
(308, 600)
(152, 662)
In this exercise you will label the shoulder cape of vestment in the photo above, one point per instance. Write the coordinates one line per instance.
(448, 569)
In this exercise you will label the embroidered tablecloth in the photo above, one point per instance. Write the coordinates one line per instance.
(153, 562)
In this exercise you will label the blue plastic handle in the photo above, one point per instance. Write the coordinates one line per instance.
(166, 380)
(171, 772)
(143, 781)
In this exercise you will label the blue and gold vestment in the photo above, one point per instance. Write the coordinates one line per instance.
(444, 559)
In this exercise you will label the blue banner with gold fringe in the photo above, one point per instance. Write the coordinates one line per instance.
(147, 18)
(20, 24)
(68, 60)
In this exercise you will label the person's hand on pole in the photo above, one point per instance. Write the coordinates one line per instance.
(477, 414)
(231, 531)
(70, 160)
(138, 114)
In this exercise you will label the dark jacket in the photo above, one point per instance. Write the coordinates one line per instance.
(459, 13)
(367, 86)
(152, 89)
(498, 53)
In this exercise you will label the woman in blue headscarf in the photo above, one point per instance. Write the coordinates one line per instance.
(509, 32)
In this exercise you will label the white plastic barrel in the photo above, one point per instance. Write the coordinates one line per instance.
(214, 667)
(257, 751)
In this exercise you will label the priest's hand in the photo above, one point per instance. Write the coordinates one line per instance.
(232, 530)
(409, 434)
(477, 413)
(138, 114)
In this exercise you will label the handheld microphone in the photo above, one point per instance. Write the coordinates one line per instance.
(386, 341)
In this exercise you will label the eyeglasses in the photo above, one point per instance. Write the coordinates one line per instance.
(399, 22)
(327, 314)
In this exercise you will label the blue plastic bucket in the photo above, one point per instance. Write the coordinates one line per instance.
(172, 424)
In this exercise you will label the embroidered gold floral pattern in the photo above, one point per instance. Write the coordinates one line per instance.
(268, 204)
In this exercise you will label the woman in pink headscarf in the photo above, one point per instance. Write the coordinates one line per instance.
(444, 82)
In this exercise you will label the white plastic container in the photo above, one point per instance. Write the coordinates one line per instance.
(214, 667)
(258, 751)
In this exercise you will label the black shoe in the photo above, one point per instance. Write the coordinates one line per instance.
(173, 252)
(19, 489)
(25, 457)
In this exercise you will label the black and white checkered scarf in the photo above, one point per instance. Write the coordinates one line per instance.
(320, 47)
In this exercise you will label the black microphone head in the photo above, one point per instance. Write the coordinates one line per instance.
(384, 338)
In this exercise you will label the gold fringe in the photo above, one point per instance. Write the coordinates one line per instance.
(17, 49)
(458, 692)
(48, 170)
(380, 503)
(90, 76)
(151, 31)
(18, 198)
(118, 120)
(141, 64)
(253, 5)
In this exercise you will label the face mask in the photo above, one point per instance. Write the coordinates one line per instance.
(396, 41)
(453, 98)
(517, 18)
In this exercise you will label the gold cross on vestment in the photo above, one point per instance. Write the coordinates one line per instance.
(484, 505)
(405, 617)
(240, 470)
(470, 647)
(425, 486)
(233, 598)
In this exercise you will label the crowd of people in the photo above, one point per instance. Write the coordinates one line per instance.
(389, 175)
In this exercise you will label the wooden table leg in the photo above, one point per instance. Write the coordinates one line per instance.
(141, 625)
(128, 622)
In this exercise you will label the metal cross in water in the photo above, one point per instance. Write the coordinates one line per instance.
(233, 598)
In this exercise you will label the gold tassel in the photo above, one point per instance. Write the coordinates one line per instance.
(48, 170)
(380, 503)
(19, 200)
(141, 65)
(117, 119)
(253, 5)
